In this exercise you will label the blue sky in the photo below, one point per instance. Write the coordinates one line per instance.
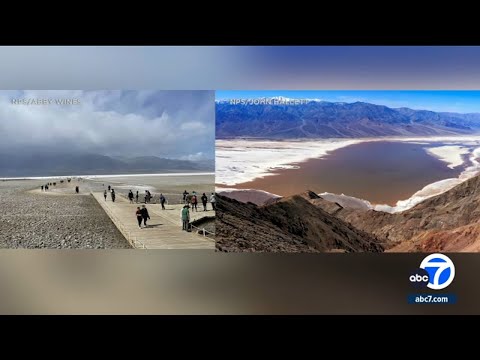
(435, 100)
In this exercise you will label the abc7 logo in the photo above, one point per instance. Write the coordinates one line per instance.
(436, 272)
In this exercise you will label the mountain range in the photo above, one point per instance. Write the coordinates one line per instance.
(449, 222)
(62, 164)
(322, 119)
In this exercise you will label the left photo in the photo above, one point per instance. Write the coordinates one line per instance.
(119, 169)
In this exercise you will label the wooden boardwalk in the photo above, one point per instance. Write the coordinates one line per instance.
(164, 229)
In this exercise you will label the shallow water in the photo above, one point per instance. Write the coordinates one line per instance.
(380, 172)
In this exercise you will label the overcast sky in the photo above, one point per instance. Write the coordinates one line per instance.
(170, 124)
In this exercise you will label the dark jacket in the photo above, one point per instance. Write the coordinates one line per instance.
(145, 213)
(204, 199)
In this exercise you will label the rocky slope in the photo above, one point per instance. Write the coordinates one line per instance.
(447, 222)
(257, 197)
(460, 239)
(291, 224)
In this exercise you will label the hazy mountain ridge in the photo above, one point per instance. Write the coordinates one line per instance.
(321, 119)
(48, 164)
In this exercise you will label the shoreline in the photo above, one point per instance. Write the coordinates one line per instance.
(271, 155)
(103, 176)
(453, 151)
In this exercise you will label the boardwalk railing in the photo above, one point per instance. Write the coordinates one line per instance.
(202, 229)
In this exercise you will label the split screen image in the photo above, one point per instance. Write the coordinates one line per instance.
(241, 171)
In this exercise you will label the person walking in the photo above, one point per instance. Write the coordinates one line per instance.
(77, 189)
(130, 196)
(109, 188)
(204, 201)
(105, 195)
(138, 213)
(136, 197)
(194, 201)
(145, 215)
(42, 187)
(185, 216)
(185, 193)
(213, 201)
(113, 195)
(162, 201)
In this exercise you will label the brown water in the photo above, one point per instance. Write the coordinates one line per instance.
(381, 172)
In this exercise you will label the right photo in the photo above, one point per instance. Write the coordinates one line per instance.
(347, 171)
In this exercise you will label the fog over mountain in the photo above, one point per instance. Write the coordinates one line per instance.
(103, 126)
(322, 119)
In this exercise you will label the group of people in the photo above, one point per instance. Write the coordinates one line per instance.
(193, 200)
(131, 196)
(112, 193)
(148, 198)
(142, 214)
(190, 201)
(47, 186)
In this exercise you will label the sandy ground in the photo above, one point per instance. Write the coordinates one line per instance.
(59, 218)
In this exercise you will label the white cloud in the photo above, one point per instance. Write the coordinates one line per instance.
(195, 157)
(128, 123)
